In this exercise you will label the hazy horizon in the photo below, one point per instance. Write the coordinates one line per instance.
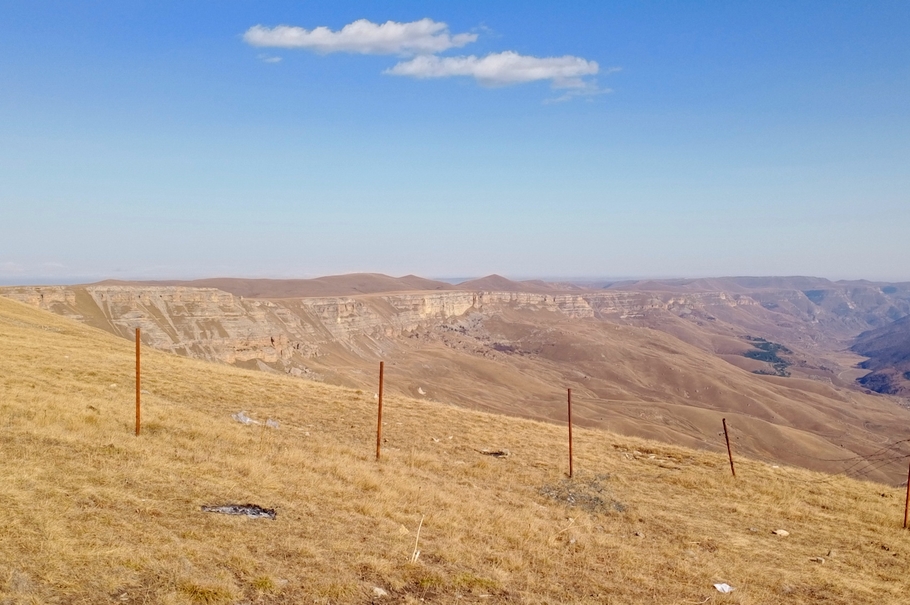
(578, 280)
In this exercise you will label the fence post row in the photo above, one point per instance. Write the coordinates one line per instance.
(379, 424)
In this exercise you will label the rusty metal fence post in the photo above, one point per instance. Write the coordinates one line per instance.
(138, 387)
(379, 415)
(570, 431)
(729, 451)
(907, 501)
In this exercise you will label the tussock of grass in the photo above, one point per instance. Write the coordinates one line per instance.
(93, 514)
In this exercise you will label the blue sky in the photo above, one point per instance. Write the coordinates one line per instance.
(164, 140)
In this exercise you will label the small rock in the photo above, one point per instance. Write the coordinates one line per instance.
(753, 529)
(817, 559)
(832, 553)
(379, 592)
(421, 391)
(783, 533)
(639, 534)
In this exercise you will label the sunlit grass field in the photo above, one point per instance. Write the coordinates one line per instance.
(94, 514)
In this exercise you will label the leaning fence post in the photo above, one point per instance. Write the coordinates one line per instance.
(729, 451)
(570, 431)
(138, 387)
(379, 415)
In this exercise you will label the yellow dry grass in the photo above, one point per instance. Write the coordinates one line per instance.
(93, 514)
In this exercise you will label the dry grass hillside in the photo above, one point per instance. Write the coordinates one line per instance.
(93, 514)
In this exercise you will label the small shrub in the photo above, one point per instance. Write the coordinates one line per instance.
(263, 584)
(206, 594)
(589, 494)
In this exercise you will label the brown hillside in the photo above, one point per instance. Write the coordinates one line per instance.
(93, 514)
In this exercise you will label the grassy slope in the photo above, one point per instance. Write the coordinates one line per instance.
(93, 514)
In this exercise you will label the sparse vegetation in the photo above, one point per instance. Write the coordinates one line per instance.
(93, 514)
(768, 352)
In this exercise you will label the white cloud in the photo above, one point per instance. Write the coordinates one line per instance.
(500, 69)
(268, 58)
(364, 37)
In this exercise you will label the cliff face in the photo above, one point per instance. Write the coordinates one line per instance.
(216, 325)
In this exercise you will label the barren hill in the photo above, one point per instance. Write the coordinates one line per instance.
(498, 283)
(94, 514)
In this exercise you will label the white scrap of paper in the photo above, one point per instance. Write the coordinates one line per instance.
(723, 587)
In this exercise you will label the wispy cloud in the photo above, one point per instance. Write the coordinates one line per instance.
(500, 69)
(364, 37)
(419, 43)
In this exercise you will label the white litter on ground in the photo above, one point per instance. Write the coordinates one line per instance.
(242, 418)
(723, 587)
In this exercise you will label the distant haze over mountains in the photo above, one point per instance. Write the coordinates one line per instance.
(374, 283)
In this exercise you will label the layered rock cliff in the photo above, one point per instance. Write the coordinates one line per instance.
(216, 325)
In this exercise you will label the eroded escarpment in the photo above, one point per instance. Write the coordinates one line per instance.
(216, 325)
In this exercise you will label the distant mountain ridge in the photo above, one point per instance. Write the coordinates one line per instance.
(350, 285)
(332, 285)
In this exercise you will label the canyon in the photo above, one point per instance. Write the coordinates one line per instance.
(665, 360)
